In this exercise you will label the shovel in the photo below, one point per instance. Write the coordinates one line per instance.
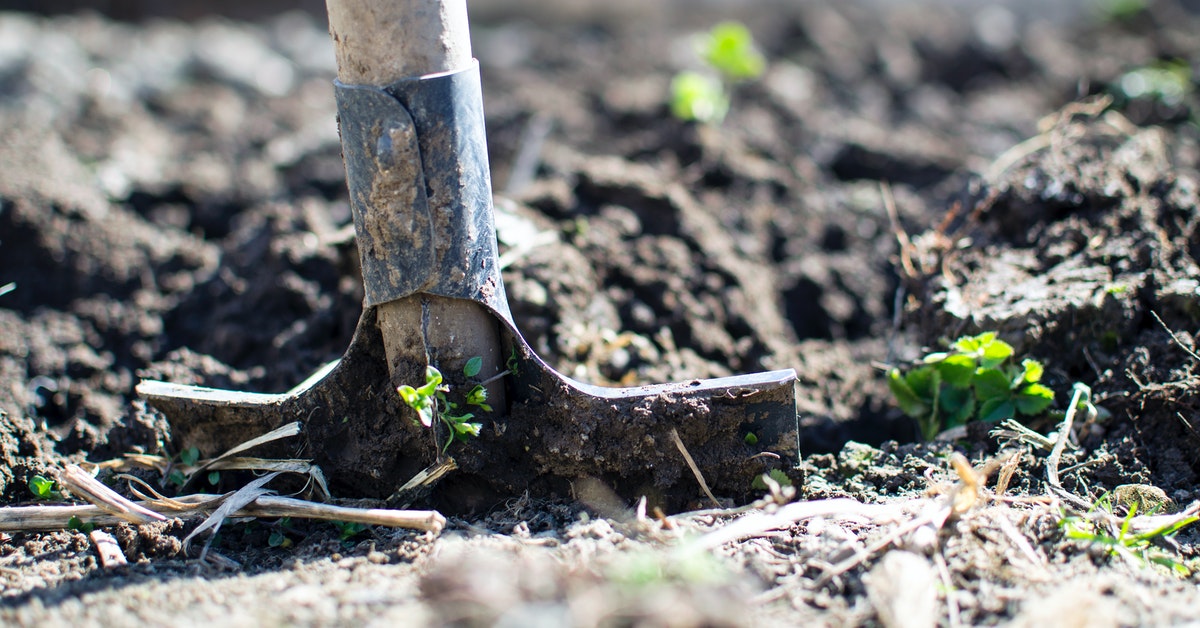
(410, 114)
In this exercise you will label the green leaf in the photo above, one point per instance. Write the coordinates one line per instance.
(433, 379)
(1034, 399)
(1033, 371)
(473, 366)
(909, 402)
(996, 352)
(477, 396)
(957, 370)
(189, 456)
(278, 539)
(923, 381)
(698, 97)
(729, 47)
(997, 409)
(463, 430)
(974, 344)
(933, 358)
(177, 478)
(957, 406)
(991, 383)
(348, 529)
(778, 475)
(41, 487)
(75, 523)
(409, 395)
(751, 439)
(214, 477)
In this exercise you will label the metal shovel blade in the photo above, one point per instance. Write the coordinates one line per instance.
(419, 184)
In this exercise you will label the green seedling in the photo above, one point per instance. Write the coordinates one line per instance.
(778, 475)
(279, 537)
(75, 523)
(976, 380)
(730, 56)
(699, 97)
(43, 487)
(1138, 548)
(430, 401)
(513, 364)
(729, 48)
(1165, 82)
(1121, 10)
(348, 529)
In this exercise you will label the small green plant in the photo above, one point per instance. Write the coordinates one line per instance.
(1138, 548)
(729, 47)
(75, 523)
(775, 474)
(976, 379)
(279, 537)
(1166, 82)
(730, 56)
(430, 401)
(188, 457)
(700, 97)
(1120, 10)
(43, 487)
(348, 530)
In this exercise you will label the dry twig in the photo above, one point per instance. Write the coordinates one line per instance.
(692, 465)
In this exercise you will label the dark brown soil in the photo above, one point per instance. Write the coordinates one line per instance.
(173, 206)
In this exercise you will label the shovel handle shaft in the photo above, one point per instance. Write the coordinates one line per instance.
(379, 42)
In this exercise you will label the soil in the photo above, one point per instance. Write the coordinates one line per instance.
(173, 206)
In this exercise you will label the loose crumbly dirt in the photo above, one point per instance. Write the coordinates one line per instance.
(173, 205)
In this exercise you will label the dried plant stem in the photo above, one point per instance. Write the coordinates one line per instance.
(33, 518)
(692, 465)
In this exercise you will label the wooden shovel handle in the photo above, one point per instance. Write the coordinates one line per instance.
(379, 42)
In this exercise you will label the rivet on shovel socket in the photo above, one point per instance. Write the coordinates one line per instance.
(417, 171)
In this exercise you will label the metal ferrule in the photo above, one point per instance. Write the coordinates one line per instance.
(420, 188)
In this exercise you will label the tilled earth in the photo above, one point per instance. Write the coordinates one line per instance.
(173, 205)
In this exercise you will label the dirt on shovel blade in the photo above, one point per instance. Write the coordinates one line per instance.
(173, 206)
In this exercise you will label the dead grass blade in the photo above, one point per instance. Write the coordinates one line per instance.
(83, 485)
(231, 504)
(755, 524)
(282, 465)
(422, 483)
(692, 465)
